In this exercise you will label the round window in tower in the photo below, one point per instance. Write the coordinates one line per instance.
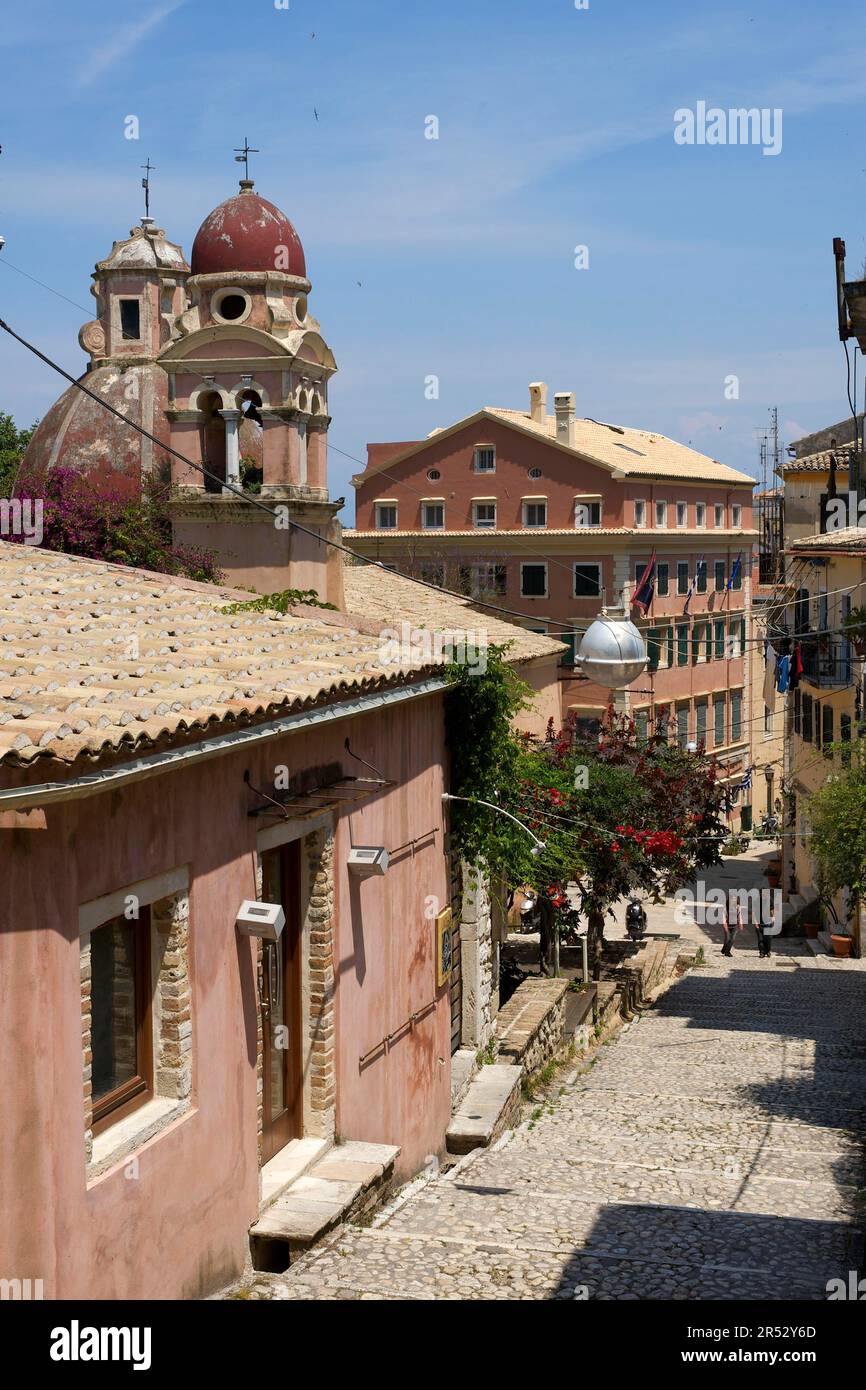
(434, 475)
(230, 306)
(535, 473)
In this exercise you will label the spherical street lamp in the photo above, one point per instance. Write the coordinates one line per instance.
(613, 652)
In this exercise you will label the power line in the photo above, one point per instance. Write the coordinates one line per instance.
(250, 499)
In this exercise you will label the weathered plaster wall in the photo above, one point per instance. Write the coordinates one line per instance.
(178, 1226)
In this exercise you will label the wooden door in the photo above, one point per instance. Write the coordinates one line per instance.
(280, 994)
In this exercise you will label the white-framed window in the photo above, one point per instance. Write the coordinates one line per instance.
(484, 458)
(533, 580)
(661, 513)
(535, 511)
(736, 516)
(386, 516)
(534, 473)
(587, 511)
(768, 722)
(487, 579)
(484, 513)
(700, 515)
(640, 512)
(719, 514)
(433, 515)
(682, 514)
(587, 580)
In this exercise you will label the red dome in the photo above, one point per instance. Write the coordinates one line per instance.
(246, 233)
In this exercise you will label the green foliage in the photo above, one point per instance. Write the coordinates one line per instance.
(13, 442)
(278, 603)
(854, 625)
(615, 815)
(479, 710)
(838, 843)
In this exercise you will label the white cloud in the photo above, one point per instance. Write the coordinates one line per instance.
(122, 43)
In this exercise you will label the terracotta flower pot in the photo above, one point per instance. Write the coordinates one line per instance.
(812, 930)
(841, 944)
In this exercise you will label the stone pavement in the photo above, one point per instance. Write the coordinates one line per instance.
(714, 1149)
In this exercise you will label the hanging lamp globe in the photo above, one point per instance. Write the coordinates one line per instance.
(613, 653)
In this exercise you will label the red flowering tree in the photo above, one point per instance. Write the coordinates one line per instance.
(617, 814)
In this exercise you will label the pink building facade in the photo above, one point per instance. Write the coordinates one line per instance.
(550, 517)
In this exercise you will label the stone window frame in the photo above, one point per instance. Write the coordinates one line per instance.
(144, 324)
(318, 925)
(167, 897)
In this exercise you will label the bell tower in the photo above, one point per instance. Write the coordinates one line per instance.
(248, 373)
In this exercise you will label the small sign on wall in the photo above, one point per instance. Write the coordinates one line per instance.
(443, 946)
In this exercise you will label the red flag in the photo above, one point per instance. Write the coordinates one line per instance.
(643, 594)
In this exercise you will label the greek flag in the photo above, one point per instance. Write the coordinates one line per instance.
(700, 568)
(735, 570)
(746, 784)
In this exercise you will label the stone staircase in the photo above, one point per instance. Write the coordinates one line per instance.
(341, 1183)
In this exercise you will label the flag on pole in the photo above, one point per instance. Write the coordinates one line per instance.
(735, 570)
(643, 594)
(746, 784)
(700, 566)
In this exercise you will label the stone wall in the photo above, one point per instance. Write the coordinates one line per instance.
(479, 959)
(530, 1028)
(322, 1027)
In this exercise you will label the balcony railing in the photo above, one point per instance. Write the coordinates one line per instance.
(827, 664)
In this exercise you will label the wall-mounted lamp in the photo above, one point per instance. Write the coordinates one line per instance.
(367, 860)
(261, 919)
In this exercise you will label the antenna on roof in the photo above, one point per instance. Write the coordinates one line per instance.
(145, 183)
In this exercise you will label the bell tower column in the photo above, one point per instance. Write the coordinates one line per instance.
(233, 454)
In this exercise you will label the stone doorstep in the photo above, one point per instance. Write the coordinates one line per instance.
(329, 1191)
(486, 1108)
(463, 1067)
(291, 1163)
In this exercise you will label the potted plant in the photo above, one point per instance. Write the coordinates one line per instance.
(854, 628)
(774, 871)
(812, 919)
(842, 943)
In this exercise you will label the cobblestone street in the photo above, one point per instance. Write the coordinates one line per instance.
(713, 1150)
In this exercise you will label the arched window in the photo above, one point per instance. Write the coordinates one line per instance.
(251, 438)
(213, 439)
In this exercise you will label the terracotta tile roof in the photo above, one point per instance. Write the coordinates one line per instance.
(97, 658)
(848, 538)
(658, 535)
(480, 532)
(392, 598)
(820, 461)
(630, 451)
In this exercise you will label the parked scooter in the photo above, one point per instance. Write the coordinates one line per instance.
(769, 828)
(635, 920)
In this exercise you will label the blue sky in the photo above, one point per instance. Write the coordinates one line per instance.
(555, 130)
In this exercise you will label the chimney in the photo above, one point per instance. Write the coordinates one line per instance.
(563, 405)
(537, 400)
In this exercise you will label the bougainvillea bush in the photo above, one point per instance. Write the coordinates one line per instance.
(109, 526)
(616, 814)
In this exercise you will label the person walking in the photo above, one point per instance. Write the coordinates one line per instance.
(732, 925)
(764, 932)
